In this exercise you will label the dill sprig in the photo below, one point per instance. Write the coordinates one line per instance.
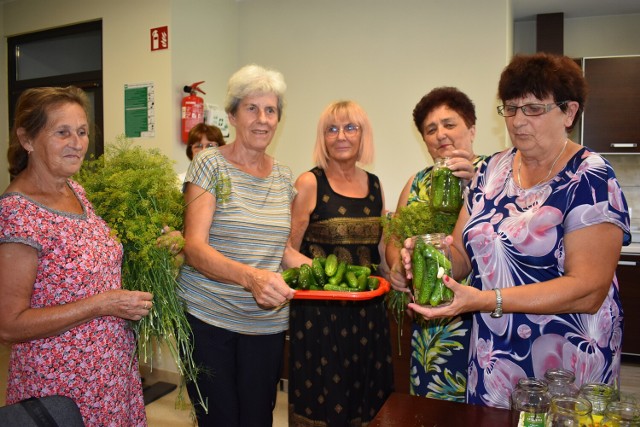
(134, 189)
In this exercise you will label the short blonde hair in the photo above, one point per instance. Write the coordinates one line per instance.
(353, 113)
(253, 80)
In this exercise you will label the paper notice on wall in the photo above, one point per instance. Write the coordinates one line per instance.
(139, 110)
(216, 116)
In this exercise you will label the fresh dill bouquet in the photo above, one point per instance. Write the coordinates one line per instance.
(135, 191)
(414, 219)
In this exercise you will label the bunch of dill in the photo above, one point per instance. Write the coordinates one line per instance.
(135, 191)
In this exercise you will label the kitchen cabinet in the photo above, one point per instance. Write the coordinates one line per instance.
(628, 273)
(609, 122)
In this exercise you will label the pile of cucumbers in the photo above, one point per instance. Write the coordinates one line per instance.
(330, 274)
(429, 266)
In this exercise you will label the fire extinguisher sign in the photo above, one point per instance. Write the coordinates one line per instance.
(159, 38)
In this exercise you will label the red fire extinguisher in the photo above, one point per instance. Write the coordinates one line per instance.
(192, 109)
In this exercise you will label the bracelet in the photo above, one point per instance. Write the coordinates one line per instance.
(497, 313)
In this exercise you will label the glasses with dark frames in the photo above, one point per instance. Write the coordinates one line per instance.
(528, 109)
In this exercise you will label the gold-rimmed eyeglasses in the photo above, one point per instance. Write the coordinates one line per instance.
(528, 109)
(332, 132)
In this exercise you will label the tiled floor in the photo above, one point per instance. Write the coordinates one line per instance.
(162, 412)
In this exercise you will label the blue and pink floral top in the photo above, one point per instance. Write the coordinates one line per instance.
(515, 237)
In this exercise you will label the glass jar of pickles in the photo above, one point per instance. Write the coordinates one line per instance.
(446, 188)
(530, 403)
(431, 261)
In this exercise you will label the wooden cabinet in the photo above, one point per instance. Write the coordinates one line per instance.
(628, 273)
(610, 123)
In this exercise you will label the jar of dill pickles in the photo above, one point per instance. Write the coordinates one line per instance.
(446, 188)
(431, 261)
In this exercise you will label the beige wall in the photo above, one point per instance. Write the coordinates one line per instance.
(385, 59)
(385, 55)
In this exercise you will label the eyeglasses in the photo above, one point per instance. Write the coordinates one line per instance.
(350, 129)
(209, 145)
(528, 109)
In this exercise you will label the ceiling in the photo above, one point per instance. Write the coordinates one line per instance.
(525, 10)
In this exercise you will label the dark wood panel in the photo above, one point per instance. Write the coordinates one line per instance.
(628, 273)
(610, 122)
(550, 33)
(401, 352)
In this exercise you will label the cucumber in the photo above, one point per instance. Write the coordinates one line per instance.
(290, 276)
(318, 272)
(331, 265)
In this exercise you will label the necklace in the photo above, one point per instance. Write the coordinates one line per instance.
(550, 169)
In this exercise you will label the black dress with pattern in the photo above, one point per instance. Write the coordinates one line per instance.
(340, 367)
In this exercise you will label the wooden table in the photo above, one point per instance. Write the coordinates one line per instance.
(405, 410)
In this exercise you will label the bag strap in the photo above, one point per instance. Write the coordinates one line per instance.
(38, 412)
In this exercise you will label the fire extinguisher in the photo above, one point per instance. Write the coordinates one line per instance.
(192, 109)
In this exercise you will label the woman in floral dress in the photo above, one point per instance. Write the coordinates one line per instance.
(446, 118)
(62, 308)
(541, 235)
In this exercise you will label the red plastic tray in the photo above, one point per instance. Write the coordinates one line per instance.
(383, 288)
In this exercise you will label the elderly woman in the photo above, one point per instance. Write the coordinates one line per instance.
(541, 236)
(237, 222)
(337, 211)
(62, 308)
(446, 119)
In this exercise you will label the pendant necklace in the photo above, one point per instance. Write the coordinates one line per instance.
(550, 169)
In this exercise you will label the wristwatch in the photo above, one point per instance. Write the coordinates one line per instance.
(497, 313)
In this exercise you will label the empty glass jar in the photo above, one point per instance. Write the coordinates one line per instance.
(600, 395)
(561, 382)
(530, 403)
(621, 414)
(569, 411)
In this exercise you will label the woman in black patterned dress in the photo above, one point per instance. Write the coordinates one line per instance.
(340, 368)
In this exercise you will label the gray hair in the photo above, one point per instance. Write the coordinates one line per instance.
(254, 80)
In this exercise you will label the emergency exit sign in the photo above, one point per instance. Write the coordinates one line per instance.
(159, 38)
